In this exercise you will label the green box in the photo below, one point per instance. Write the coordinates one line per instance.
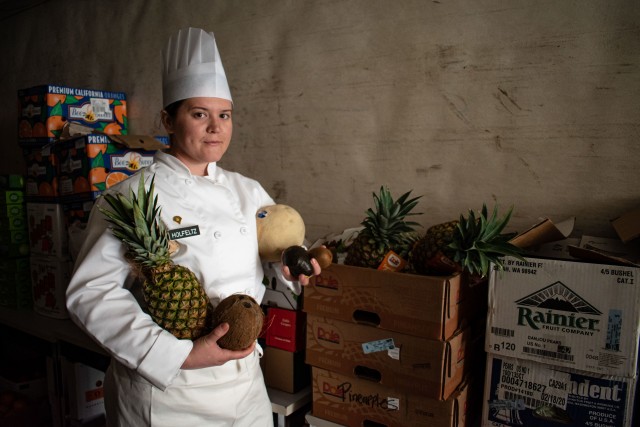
(12, 182)
(11, 196)
(13, 210)
(13, 223)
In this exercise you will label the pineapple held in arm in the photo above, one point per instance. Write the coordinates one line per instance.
(385, 229)
(175, 298)
(469, 244)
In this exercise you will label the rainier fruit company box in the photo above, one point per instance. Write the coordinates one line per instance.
(424, 306)
(524, 393)
(571, 314)
(44, 109)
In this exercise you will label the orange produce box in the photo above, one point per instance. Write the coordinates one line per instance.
(41, 180)
(92, 163)
(44, 109)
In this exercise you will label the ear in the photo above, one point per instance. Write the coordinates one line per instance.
(167, 122)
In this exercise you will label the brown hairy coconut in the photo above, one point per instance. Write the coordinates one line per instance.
(245, 319)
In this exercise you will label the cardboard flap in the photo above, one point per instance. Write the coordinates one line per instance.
(544, 232)
(72, 130)
(139, 142)
(597, 256)
(627, 225)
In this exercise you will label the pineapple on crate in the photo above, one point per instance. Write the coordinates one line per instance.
(467, 245)
(175, 298)
(385, 229)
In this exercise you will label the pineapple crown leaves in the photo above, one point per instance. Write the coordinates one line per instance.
(387, 222)
(136, 222)
(479, 241)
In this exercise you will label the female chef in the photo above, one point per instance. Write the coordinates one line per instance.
(155, 379)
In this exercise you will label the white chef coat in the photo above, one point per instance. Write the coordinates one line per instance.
(223, 254)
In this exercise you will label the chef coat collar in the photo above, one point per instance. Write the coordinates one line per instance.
(176, 165)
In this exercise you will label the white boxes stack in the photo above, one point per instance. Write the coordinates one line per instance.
(562, 343)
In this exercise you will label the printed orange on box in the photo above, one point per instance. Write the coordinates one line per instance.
(93, 163)
(43, 111)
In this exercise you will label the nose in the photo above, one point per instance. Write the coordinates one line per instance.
(214, 125)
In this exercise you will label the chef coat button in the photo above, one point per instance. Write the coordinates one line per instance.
(188, 181)
(243, 230)
(217, 234)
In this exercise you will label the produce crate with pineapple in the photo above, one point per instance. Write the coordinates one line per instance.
(423, 290)
(442, 283)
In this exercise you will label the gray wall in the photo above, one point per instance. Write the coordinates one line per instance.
(523, 102)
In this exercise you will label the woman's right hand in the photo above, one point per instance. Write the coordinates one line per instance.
(206, 352)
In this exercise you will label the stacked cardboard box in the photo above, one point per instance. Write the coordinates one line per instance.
(15, 286)
(283, 363)
(393, 348)
(562, 338)
(83, 393)
(75, 146)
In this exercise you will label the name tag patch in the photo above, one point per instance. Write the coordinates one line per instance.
(181, 233)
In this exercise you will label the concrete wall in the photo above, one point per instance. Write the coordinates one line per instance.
(528, 103)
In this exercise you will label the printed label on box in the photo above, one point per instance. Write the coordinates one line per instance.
(523, 393)
(582, 316)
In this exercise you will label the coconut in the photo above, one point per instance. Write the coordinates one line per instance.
(245, 318)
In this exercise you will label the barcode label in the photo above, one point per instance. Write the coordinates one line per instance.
(502, 332)
(547, 353)
(99, 105)
(529, 402)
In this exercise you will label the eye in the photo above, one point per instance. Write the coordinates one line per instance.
(199, 114)
(225, 116)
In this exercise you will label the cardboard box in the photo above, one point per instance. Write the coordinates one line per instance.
(11, 197)
(424, 306)
(85, 390)
(11, 182)
(314, 421)
(13, 222)
(627, 225)
(416, 365)
(44, 109)
(32, 388)
(524, 393)
(49, 280)
(12, 209)
(278, 294)
(571, 314)
(15, 283)
(41, 181)
(47, 230)
(285, 370)
(92, 163)
(353, 402)
(14, 243)
(554, 250)
(285, 329)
